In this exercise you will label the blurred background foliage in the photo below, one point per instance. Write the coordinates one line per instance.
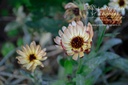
(22, 21)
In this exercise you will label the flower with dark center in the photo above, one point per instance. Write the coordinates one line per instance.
(74, 13)
(77, 42)
(110, 17)
(31, 56)
(75, 39)
(119, 5)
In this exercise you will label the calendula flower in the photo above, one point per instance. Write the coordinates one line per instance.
(75, 39)
(73, 12)
(119, 5)
(109, 16)
(31, 56)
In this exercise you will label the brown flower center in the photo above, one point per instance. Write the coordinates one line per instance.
(109, 17)
(77, 42)
(76, 11)
(121, 2)
(32, 57)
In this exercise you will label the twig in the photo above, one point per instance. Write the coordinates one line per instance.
(11, 75)
(6, 57)
(7, 18)
(50, 48)
(2, 78)
(17, 81)
(54, 52)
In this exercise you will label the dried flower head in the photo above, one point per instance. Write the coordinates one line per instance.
(73, 12)
(31, 56)
(119, 5)
(110, 17)
(75, 39)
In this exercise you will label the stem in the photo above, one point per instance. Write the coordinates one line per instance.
(79, 65)
(100, 39)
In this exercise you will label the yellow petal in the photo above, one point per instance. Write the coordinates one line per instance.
(29, 65)
(81, 54)
(21, 53)
(75, 56)
(33, 47)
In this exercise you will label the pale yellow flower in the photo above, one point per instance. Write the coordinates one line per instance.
(119, 5)
(31, 56)
(75, 39)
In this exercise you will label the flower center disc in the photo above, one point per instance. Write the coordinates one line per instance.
(77, 42)
(121, 2)
(109, 17)
(32, 57)
(76, 11)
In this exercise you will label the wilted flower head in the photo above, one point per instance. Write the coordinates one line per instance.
(75, 39)
(31, 56)
(73, 12)
(110, 17)
(119, 5)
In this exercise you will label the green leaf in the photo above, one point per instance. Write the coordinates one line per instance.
(68, 67)
(4, 12)
(111, 34)
(62, 61)
(11, 26)
(58, 82)
(47, 24)
(6, 48)
(94, 62)
(20, 41)
(93, 77)
(103, 2)
(81, 69)
(110, 43)
(26, 73)
(120, 63)
(80, 80)
(13, 32)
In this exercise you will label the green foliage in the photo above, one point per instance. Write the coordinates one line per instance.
(44, 16)
(13, 33)
(47, 24)
(110, 43)
(68, 67)
(6, 48)
(19, 42)
(120, 63)
(4, 12)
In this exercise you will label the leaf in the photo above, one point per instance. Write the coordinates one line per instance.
(27, 74)
(94, 62)
(68, 67)
(111, 34)
(58, 82)
(62, 62)
(13, 32)
(6, 48)
(11, 26)
(120, 63)
(110, 43)
(96, 3)
(80, 80)
(27, 36)
(20, 41)
(93, 77)
(46, 24)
